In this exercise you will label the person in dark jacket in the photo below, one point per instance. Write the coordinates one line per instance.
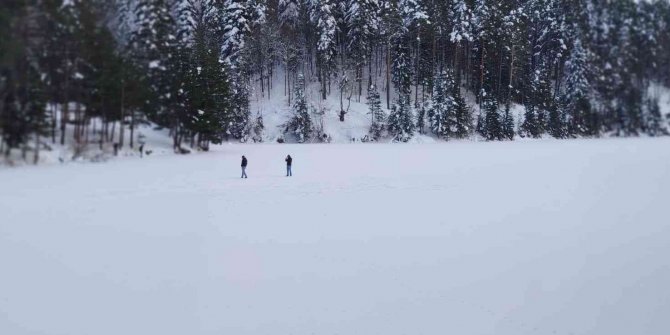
(244, 167)
(289, 161)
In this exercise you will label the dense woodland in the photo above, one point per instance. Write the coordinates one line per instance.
(88, 72)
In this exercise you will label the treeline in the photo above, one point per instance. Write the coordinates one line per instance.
(94, 70)
(90, 71)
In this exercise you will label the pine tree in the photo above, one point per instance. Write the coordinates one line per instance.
(155, 45)
(577, 92)
(508, 124)
(441, 112)
(412, 12)
(462, 114)
(258, 129)
(556, 123)
(539, 104)
(493, 127)
(22, 93)
(361, 20)
(546, 48)
(400, 121)
(402, 68)
(377, 115)
(530, 125)
(240, 17)
(300, 124)
(207, 92)
(289, 12)
(480, 128)
(238, 119)
(414, 20)
(461, 18)
(322, 16)
(421, 114)
(236, 29)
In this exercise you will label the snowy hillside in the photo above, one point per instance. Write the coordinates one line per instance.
(508, 238)
(276, 112)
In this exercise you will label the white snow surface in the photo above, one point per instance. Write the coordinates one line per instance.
(531, 237)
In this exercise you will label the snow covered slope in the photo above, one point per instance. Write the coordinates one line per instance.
(532, 237)
(276, 112)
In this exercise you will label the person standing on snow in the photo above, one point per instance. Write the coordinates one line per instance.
(289, 161)
(244, 167)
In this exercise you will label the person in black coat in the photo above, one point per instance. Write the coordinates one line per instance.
(289, 161)
(244, 167)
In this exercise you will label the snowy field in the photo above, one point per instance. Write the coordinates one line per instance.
(531, 237)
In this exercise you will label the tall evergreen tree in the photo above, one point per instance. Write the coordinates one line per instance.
(493, 129)
(377, 115)
(155, 45)
(323, 18)
(508, 124)
(300, 124)
(362, 22)
(556, 122)
(462, 114)
(576, 97)
(441, 113)
(400, 122)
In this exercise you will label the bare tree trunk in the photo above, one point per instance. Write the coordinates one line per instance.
(434, 52)
(175, 142)
(500, 67)
(87, 128)
(65, 108)
(288, 86)
(262, 83)
(418, 63)
(457, 65)
(388, 75)
(102, 132)
(359, 78)
(559, 72)
(324, 86)
(77, 122)
(286, 80)
(36, 158)
(341, 99)
(123, 115)
(54, 121)
(64, 114)
(468, 68)
(370, 70)
(132, 129)
(112, 132)
(481, 77)
(270, 82)
(511, 78)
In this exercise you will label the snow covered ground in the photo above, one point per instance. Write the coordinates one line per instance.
(530, 237)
